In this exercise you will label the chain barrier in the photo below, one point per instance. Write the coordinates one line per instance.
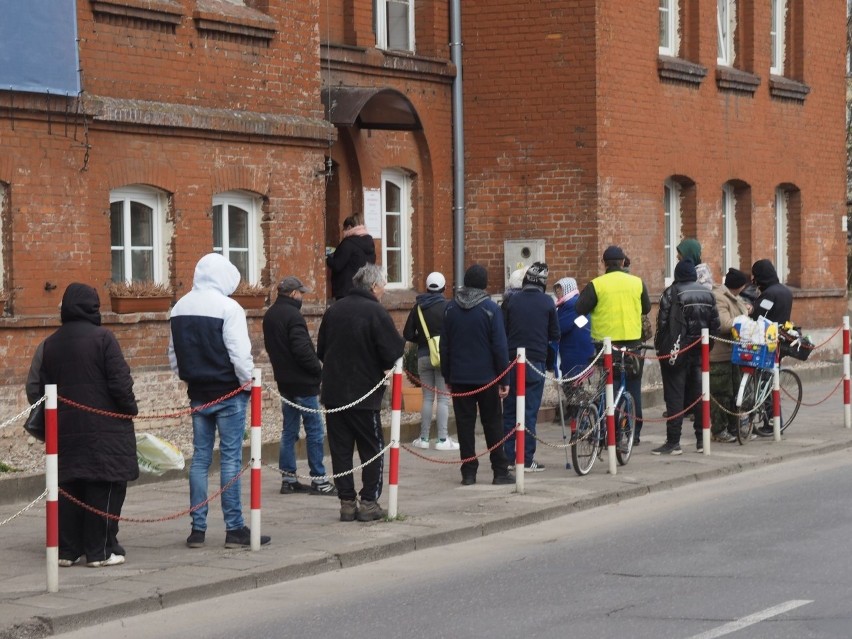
(155, 520)
(566, 380)
(26, 411)
(325, 411)
(416, 380)
(325, 478)
(508, 436)
(24, 509)
(180, 413)
(825, 399)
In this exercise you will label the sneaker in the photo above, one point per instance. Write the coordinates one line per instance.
(323, 488)
(534, 467)
(420, 443)
(724, 437)
(112, 560)
(290, 487)
(348, 509)
(67, 563)
(668, 449)
(468, 480)
(242, 537)
(699, 447)
(446, 444)
(195, 539)
(508, 478)
(369, 511)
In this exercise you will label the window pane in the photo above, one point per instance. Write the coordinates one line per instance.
(397, 17)
(217, 228)
(118, 265)
(394, 266)
(392, 228)
(664, 24)
(392, 198)
(237, 227)
(116, 224)
(142, 264)
(240, 260)
(141, 225)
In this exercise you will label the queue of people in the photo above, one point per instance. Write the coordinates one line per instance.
(465, 346)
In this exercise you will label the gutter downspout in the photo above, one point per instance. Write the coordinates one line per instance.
(458, 145)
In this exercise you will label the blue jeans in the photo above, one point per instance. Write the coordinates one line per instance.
(431, 376)
(229, 419)
(533, 393)
(290, 434)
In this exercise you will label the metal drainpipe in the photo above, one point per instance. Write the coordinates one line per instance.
(458, 144)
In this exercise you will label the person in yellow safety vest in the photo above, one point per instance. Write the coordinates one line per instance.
(616, 302)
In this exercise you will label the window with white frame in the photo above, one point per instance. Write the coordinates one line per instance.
(395, 25)
(672, 218)
(782, 263)
(731, 243)
(396, 220)
(726, 15)
(138, 234)
(778, 36)
(669, 32)
(236, 232)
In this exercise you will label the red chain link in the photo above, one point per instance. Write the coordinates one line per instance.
(508, 436)
(416, 380)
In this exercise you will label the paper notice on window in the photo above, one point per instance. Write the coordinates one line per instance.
(373, 212)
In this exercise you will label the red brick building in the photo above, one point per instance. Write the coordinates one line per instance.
(591, 123)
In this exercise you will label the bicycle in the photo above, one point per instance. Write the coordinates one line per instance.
(589, 400)
(754, 397)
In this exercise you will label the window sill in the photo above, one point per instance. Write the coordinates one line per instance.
(162, 11)
(787, 89)
(679, 70)
(730, 79)
(222, 17)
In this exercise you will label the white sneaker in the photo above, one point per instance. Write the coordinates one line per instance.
(112, 560)
(447, 444)
(420, 443)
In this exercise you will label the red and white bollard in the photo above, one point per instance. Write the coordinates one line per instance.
(610, 408)
(51, 463)
(256, 453)
(847, 407)
(396, 420)
(705, 389)
(520, 419)
(776, 395)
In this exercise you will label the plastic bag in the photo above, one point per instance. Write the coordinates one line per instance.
(156, 455)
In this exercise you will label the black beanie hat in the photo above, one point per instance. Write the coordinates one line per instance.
(735, 278)
(476, 277)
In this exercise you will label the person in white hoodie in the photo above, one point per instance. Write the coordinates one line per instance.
(210, 350)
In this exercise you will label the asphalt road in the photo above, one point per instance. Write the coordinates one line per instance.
(762, 554)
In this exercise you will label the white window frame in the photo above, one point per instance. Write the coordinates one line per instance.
(778, 36)
(672, 225)
(403, 183)
(383, 35)
(730, 233)
(782, 263)
(726, 20)
(669, 27)
(252, 204)
(157, 201)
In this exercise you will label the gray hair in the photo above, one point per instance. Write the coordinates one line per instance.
(369, 276)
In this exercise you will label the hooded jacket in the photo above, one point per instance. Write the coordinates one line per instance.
(575, 344)
(357, 343)
(291, 352)
(766, 278)
(209, 345)
(474, 349)
(85, 361)
(355, 250)
(433, 306)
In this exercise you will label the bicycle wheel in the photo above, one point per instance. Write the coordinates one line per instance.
(625, 424)
(587, 445)
(762, 416)
(746, 397)
(791, 397)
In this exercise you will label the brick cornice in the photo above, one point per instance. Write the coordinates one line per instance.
(787, 88)
(731, 79)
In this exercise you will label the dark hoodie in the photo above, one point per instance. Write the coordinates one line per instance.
(353, 252)
(85, 361)
(433, 306)
(766, 278)
(474, 350)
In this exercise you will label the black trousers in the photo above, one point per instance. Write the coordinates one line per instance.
(490, 408)
(681, 387)
(346, 430)
(82, 532)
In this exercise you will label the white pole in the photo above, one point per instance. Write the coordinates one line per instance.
(847, 406)
(520, 419)
(51, 462)
(776, 400)
(705, 389)
(396, 420)
(256, 453)
(610, 408)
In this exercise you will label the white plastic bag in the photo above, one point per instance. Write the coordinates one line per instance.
(156, 455)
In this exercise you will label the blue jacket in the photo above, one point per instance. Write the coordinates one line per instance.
(473, 341)
(530, 318)
(575, 344)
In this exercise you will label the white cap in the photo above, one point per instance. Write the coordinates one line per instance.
(435, 282)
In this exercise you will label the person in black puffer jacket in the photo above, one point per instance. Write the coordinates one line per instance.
(763, 274)
(686, 308)
(354, 251)
(97, 453)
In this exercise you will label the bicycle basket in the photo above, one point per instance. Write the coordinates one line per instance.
(801, 350)
(586, 389)
(754, 355)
